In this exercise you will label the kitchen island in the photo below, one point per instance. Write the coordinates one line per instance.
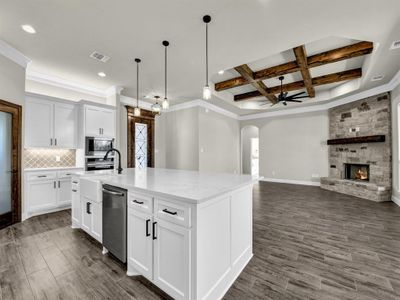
(190, 233)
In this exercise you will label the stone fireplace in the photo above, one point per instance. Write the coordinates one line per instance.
(360, 149)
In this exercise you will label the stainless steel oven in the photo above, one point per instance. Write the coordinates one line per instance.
(97, 146)
(99, 163)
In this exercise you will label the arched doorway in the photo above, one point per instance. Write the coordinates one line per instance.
(250, 150)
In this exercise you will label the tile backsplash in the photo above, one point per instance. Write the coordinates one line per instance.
(48, 158)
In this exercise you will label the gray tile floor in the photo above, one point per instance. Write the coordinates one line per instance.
(308, 244)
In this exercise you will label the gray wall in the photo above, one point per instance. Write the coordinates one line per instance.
(395, 141)
(248, 133)
(293, 147)
(219, 141)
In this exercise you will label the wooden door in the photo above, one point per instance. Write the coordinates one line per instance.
(146, 118)
(14, 173)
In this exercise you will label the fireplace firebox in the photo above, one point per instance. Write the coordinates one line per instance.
(356, 172)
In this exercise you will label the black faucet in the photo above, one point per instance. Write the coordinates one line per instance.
(119, 159)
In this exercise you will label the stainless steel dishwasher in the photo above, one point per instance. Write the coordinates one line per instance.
(114, 221)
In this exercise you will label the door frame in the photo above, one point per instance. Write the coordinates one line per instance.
(16, 112)
(148, 117)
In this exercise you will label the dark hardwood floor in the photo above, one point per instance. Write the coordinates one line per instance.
(308, 244)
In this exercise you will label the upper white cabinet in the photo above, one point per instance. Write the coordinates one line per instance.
(99, 121)
(50, 124)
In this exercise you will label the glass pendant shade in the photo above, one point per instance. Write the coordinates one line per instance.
(165, 104)
(156, 108)
(136, 112)
(206, 93)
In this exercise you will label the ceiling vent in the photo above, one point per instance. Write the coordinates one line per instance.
(395, 45)
(100, 57)
(377, 78)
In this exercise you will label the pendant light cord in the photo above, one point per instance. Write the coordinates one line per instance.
(165, 97)
(206, 54)
(137, 84)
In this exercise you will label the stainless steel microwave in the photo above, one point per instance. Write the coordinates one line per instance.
(97, 146)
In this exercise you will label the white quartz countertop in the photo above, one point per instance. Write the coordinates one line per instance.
(192, 186)
(52, 169)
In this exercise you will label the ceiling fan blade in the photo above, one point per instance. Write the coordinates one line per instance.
(297, 94)
(301, 97)
(291, 100)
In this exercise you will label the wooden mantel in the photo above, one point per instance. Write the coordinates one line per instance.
(358, 140)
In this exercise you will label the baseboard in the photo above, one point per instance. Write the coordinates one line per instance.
(396, 200)
(290, 181)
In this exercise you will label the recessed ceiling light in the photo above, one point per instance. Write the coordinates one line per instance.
(101, 74)
(28, 28)
(221, 72)
(395, 45)
(377, 78)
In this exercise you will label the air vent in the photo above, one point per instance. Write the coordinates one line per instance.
(100, 57)
(395, 45)
(377, 78)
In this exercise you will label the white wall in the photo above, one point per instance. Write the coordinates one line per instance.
(247, 133)
(293, 147)
(219, 142)
(395, 98)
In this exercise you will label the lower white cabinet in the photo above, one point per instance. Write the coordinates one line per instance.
(47, 191)
(92, 218)
(160, 251)
(76, 206)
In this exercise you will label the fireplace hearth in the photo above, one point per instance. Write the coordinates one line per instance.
(356, 172)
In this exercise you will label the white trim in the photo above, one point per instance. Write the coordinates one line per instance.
(124, 100)
(396, 200)
(114, 90)
(290, 181)
(13, 54)
(66, 84)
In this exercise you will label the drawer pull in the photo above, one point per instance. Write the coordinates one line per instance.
(42, 176)
(170, 212)
(74, 191)
(154, 230)
(138, 202)
(68, 174)
(76, 182)
(147, 227)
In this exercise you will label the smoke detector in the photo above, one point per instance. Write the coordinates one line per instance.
(100, 57)
(395, 45)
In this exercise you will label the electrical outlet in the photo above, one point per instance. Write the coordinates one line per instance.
(357, 129)
(58, 158)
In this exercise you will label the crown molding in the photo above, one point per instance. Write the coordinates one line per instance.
(114, 90)
(125, 100)
(13, 54)
(66, 84)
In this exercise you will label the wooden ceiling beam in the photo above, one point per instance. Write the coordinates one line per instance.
(248, 74)
(298, 85)
(332, 56)
(301, 58)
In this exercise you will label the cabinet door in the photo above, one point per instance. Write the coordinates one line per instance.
(64, 192)
(76, 208)
(86, 212)
(108, 123)
(41, 195)
(65, 120)
(172, 259)
(97, 220)
(93, 120)
(140, 242)
(39, 123)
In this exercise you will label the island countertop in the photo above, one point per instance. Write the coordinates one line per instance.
(191, 186)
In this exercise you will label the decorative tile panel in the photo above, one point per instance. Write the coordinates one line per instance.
(141, 145)
(46, 158)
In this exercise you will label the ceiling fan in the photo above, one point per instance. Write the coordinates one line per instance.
(283, 97)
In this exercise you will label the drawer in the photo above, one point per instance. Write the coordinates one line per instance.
(172, 212)
(67, 173)
(46, 175)
(75, 181)
(140, 202)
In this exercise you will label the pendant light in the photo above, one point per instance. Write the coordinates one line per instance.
(165, 103)
(136, 110)
(156, 107)
(206, 89)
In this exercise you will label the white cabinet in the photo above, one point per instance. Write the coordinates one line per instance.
(39, 129)
(41, 195)
(99, 121)
(50, 124)
(91, 218)
(76, 205)
(172, 259)
(47, 191)
(140, 242)
(86, 218)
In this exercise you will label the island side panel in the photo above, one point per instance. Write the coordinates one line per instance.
(224, 241)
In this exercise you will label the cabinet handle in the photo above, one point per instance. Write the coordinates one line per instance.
(59, 184)
(51, 142)
(170, 212)
(68, 174)
(55, 185)
(55, 142)
(74, 191)
(154, 230)
(147, 227)
(75, 182)
(88, 208)
(42, 176)
(138, 202)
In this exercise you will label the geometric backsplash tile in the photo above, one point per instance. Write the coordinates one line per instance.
(46, 158)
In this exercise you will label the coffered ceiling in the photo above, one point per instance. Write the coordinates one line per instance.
(258, 33)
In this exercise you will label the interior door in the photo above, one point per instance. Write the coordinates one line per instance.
(65, 119)
(10, 163)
